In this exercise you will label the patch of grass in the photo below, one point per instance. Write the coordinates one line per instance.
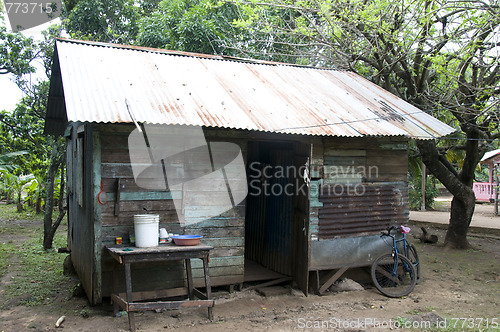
(40, 271)
(6, 251)
(9, 212)
(400, 321)
(8, 228)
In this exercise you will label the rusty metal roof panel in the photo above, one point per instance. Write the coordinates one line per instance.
(168, 87)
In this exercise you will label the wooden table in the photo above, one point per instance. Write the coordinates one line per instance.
(124, 256)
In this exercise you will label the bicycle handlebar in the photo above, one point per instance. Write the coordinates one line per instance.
(388, 231)
(402, 229)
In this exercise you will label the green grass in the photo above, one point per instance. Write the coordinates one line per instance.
(40, 272)
(9, 212)
(37, 273)
(6, 252)
(441, 205)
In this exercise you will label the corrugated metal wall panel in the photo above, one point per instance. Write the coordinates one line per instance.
(350, 210)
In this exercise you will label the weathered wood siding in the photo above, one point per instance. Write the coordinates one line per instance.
(224, 232)
(80, 218)
(343, 163)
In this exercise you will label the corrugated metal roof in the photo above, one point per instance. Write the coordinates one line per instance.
(168, 87)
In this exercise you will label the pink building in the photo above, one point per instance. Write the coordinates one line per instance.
(485, 191)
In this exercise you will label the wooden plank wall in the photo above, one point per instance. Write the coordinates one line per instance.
(355, 160)
(225, 232)
(80, 227)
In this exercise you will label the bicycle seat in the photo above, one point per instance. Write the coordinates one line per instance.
(405, 230)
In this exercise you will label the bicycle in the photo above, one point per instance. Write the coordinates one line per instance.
(395, 274)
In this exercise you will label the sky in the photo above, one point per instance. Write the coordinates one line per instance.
(9, 92)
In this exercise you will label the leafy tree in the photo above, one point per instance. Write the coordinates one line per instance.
(7, 161)
(441, 56)
(102, 20)
(23, 127)
(184, 25)
(16, 53)
(188, 25)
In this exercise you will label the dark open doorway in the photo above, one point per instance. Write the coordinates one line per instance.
(276, 218)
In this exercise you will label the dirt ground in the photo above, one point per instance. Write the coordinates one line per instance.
(455, 285)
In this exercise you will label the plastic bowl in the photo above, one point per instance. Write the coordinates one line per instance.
(187, 240)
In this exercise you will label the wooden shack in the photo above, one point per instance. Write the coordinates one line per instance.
(325, 154)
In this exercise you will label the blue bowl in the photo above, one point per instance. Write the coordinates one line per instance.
(187, 237)
(187, 240)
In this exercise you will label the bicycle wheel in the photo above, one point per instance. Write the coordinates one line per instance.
(393, 275)
(413, 257)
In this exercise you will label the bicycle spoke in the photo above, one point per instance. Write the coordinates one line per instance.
(387, 274)
(393, 276)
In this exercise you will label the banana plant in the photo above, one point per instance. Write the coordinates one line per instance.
(7, 158)
(35, 191)
(15, 185)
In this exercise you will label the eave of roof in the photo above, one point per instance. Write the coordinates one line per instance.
(490, 156)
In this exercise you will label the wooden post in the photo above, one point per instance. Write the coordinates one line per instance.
(424, 178)
(496, 189)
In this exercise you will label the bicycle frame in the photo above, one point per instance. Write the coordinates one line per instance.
(395, 274)
(395, 249)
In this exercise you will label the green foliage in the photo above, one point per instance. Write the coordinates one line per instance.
(22, 129)
(415, 183)
(16, 52)
(6, 161)
(103, 20)
(16, 182)
(184, 25)
(187, 25)
(415, 192)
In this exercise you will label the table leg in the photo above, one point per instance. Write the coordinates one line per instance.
(207, 286)
(128, 283)
(189, 275)
(116, 289)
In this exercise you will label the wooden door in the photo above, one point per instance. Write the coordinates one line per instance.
(302, 162)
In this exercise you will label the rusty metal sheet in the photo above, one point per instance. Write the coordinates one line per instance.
(169, 87)
(351, 210)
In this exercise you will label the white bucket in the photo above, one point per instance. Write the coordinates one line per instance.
(146, 230)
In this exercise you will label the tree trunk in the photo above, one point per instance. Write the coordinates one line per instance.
(19, 202)
(460, 218)
(459, 185)
(38, 204)
(49, 228)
